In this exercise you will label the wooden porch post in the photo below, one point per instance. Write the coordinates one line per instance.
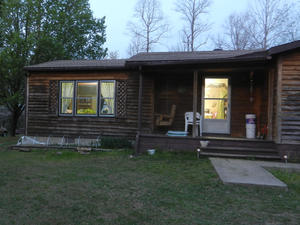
(195, 100)
(279, 103)
(137, 145)
(140, 99)
(270, 103)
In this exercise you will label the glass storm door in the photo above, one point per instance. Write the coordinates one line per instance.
(216, 106)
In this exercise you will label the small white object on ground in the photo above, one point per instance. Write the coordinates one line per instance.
(151, 151)
(204, 143)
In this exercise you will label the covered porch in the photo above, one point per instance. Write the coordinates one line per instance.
(221, 96)
(221, 91)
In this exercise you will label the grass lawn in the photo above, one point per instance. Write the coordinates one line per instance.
(42, 187)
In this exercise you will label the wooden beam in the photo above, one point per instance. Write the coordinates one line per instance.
(140, 99)
(270, 103)
(278, 96)
(26, 103)
(195, 100)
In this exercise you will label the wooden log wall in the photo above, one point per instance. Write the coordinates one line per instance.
(289, 98)
(43, 122)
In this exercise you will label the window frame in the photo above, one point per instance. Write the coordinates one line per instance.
(114, 98)
(75, 98)
(60, 98)
(98, 99)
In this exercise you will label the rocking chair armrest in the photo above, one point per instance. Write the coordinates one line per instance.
(164, 116)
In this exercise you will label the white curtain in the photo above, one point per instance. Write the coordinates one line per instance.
(107, 97)
(67, 92)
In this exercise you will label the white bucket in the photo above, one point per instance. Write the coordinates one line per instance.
(250, 125)
(151, 151)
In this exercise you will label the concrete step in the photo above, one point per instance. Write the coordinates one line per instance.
(227, 155)
(239, 149)
(240, 142)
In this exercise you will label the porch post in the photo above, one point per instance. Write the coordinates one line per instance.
(195, 100)
(140, 99)
(270, 103)
(137, 145)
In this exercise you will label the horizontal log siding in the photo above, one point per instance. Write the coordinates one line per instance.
(290, 99)
(41, 123)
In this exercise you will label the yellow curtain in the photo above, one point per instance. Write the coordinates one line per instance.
(220, 103)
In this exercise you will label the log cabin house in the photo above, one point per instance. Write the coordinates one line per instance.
(122, 98)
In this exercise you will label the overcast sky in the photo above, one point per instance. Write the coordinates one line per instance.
(119, 12)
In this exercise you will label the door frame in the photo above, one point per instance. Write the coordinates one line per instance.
(228, 130)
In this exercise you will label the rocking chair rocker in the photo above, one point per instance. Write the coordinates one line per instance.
(165, 120)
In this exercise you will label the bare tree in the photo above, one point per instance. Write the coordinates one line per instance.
(195, 25)
(148, 26)
(237, 30)
(269, 21)
(113, 55)
(135, 46)
(236, 33)
(292, 26)
(220, 42)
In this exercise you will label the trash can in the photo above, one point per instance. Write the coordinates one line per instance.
(250, 125)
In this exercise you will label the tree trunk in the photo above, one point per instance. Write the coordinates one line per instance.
(14, 118)
(13, 124)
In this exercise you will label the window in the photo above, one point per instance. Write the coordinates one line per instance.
(215, 98)
(87, 98)
(66, 97)
(107, 98)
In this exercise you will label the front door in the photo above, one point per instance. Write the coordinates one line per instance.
(216, 105)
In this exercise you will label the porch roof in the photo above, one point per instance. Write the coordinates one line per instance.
(204, 57)
(216, 56)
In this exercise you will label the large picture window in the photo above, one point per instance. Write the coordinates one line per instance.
(87, 98)
(107, 98)
(66, 97)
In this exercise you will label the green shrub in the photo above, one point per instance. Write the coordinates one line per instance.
(115, 143)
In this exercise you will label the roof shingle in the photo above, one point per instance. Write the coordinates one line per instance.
(78, 65)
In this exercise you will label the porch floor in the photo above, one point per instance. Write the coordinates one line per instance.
(219, 146)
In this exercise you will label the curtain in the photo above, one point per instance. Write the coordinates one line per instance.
(67, 92)
(221, 103)
(107, 97)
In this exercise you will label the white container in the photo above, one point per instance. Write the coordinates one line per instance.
(204, 143)
(250, 126)
(151, 151)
